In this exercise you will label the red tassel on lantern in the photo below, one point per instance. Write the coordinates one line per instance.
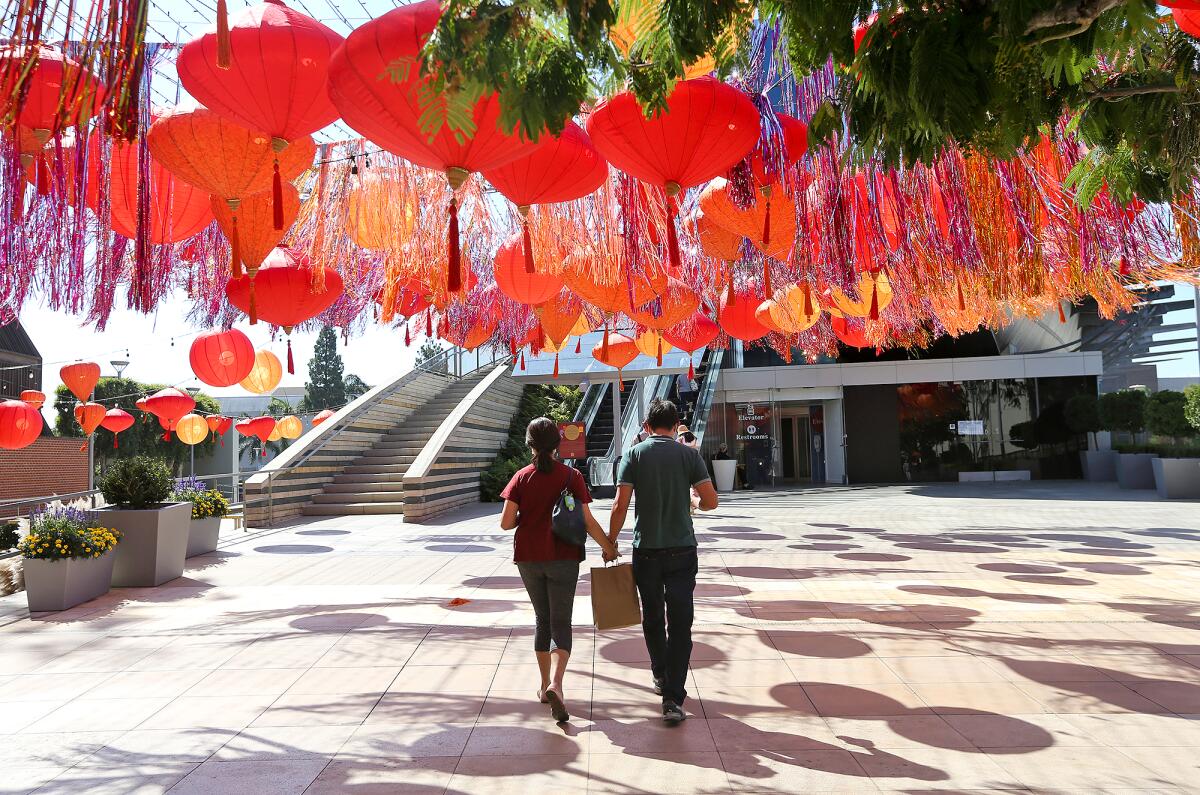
(528, 247)
(253, 304)
(277, 197)
(291, 364)
(429, 323)
(522, 360)
(660, 351)
(962, 304)
(235, 248)
(541, 337)
(767, 291)
(691, 369)
(620, 382)
(767, 224)
(224, 51)
(808, 307)
(556, 365)
(115, 441)
(264, 450)
(579, 344)
(604, 344)
(454, 275)
(874, 315)
(407, 336)
(1124, 269)
(672, 236)
(731, 296)
(1062, 316)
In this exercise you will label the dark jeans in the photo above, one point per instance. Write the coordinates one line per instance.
(666, 579)
(551, 588)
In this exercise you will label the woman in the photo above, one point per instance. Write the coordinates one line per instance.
(548, 565)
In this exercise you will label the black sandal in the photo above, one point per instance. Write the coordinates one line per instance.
(557, 708)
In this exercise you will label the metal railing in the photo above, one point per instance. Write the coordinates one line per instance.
(705, 399)
(602, 469)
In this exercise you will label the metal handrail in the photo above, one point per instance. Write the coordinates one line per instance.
(89, 494)
(589, 406)
(705, 398)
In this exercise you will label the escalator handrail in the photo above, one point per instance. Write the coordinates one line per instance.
(707, 390)
(593, 398)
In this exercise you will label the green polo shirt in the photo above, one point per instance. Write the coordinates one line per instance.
(662, 472)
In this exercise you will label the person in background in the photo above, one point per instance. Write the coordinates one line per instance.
(688, 439)
(661, 474)
(549, 566)
(688, 389)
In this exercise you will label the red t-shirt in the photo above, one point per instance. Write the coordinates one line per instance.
(535, 494)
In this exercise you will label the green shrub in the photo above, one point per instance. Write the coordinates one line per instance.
(1123, 411)
(1083, 414)
(136, 483)
(1165, 414)
(8, 535)
(559, 403)
(1191, 405)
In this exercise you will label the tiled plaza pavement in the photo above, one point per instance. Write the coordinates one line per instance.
(1040, 636)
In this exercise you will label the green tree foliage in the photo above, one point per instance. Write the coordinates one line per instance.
(1191, 405)
(988, 75)
(1166, 416)
(430, 349)
(328, 386)
(1083, 414)
(538, 400)
(144, 437)
(136, 483)
(1123, 411)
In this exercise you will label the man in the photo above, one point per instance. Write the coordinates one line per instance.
(688, 389)
(662, 473)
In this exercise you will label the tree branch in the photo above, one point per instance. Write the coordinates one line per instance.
(1078, 15)
(1132, 91)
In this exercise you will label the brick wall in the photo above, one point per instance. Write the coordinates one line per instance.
(48, 466)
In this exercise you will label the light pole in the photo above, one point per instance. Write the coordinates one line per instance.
(119, 365)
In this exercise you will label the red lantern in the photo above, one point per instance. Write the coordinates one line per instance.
(34, 398)
(80, 378)
(116, 420)
(322, 416)
(561, 169)
(285, 294)
(218, 424)
(169, 405)
(691, 335)
(20, 424)
(177, 210)
(617, 351)
(516, 280)
(851, 334)
(277, 77)
(793, 140)
(58, 92)
(377, 82)
(260, 427)
(737, 317)
(705, 130)
(409, 298)
(1187, 18)
(221, 358)
(89, 416)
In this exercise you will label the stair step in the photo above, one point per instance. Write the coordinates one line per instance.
(372, 469)
(392, 452)
(365, 487)
(368, 477)
(357, 497)
(347, 509)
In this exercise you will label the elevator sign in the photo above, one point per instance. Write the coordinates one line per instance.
(754, 422)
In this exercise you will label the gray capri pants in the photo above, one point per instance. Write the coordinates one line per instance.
(551, 588)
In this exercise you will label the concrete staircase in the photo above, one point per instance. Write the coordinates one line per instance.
(374, 482)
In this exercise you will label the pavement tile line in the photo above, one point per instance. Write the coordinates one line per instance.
(1039, 637)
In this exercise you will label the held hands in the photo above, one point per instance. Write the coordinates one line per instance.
(609, 550)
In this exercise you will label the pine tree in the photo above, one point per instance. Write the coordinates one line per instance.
(326, 387)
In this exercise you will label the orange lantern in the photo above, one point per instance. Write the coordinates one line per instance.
(763, 315)
(875, 293)
(676, 304)
(518, 282)
(191, 429)
(322, 415)
(718, 242)
(89, 416)
(265, 375)
(290, 427)
(20, 424)
(34, 398)
(80, 378)
(794, 309)
(775, 239)
(253, 217)
(380, 212)
(651, 343)
(617, 351)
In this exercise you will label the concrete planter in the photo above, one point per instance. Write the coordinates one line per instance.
(1134, 470)
(153, 544)
(725, 472)
(202, 536)
(1099, 465)
(1177, 478)
(61, 584)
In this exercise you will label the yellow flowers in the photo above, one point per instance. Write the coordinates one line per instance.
(63, 534)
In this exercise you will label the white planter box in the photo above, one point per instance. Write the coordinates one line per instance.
(1134, 470)
(1177, 478)
(203, 535)
(61, 584)
(1099, 465)
(1013, 474)
(153, 543)
(725, 473)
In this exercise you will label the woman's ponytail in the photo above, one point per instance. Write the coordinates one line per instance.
(543, 438)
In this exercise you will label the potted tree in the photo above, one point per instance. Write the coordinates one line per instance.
(1083, 416)
(1125, 411)
(1174, 478)
(68, 559)
(155, 531)
(209, 506)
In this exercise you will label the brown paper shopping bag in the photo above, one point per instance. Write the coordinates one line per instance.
(614, 597)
